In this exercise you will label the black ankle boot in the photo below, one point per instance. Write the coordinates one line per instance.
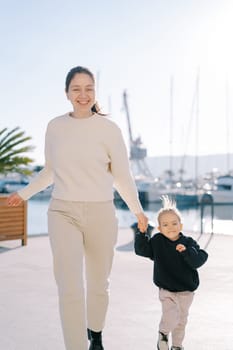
(95, 339)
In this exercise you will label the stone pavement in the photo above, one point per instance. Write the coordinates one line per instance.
(29, 317)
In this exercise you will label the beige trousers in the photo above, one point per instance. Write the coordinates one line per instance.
(82, 232)
(175, 309)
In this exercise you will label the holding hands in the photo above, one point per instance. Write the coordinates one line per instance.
(142, 222)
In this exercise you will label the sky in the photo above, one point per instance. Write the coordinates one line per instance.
(174, 59)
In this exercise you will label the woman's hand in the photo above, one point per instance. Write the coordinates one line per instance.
(14, 200)
(142, 222)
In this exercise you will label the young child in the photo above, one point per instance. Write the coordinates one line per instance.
(176, 259)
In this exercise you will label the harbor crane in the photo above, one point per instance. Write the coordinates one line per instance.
(138, 152)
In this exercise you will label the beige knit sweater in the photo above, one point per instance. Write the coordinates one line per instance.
(84, 159)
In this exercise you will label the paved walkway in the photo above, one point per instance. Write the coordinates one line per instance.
(29, 317)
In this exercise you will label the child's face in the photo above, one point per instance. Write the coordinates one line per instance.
(170, 226)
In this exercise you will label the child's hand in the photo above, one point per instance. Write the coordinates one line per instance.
(142, 222)
(180, 248)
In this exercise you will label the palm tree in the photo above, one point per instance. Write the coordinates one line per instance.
(12, 158)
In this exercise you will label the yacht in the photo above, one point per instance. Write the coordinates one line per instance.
(222, 190)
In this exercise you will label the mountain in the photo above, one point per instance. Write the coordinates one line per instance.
(206, 164)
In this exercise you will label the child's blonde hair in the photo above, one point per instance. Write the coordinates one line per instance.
(169, 206)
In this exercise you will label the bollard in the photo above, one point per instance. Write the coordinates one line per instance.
(207, 199)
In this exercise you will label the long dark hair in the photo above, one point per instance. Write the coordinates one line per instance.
(78, 70)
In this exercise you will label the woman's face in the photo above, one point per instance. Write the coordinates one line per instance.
(81, 92)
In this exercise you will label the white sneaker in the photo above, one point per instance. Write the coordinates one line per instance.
(162, 342)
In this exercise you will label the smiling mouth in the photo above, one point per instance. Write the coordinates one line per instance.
(83, 102)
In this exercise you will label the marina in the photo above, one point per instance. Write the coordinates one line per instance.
(205, 201)
(222, 224)
(187, 192)
(162, 72)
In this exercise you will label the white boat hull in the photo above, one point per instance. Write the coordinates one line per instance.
(222, 197)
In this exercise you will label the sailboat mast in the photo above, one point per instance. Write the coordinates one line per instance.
(197, 131)
(171, 127)
(127, 116)
(109, 105)
(227, 128)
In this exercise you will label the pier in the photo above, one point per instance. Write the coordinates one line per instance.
(29, 318)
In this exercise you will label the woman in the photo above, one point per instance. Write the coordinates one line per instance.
(85, 153)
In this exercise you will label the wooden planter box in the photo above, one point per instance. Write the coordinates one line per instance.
(13, 221)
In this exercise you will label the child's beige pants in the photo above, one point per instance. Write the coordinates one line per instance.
(175, 309)
(79, 230)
